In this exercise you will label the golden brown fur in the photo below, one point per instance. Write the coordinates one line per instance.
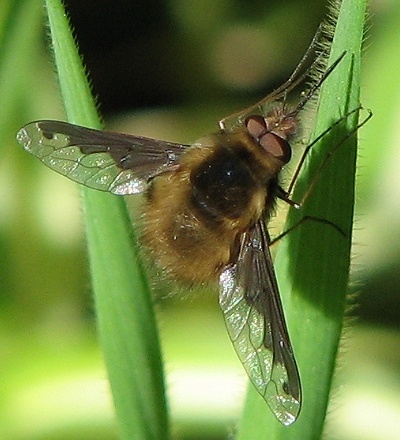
(189, 244)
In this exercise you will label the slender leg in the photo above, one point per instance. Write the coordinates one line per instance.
(304, 219)
(327, 157)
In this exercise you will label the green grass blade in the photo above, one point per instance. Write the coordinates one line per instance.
(313, 261)
(19, 26)
(123, 303)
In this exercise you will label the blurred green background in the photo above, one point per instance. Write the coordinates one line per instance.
(171, 69)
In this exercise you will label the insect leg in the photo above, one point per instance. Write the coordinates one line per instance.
(304, 219)
(327, 157)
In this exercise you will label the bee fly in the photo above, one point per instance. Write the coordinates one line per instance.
(205, 215)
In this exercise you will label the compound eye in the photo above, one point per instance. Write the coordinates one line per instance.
(272, 143)
(256, 126)
(276, 146)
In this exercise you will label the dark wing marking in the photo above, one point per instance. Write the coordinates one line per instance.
(249, 298)
(115, 162)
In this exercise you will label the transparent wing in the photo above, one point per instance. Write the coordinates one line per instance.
(249, 298)
(119, 163)
(298, 76)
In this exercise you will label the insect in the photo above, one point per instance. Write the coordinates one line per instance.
(205, 215)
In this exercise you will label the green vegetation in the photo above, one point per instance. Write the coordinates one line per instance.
(53, 379)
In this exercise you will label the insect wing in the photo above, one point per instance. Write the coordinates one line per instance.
(250, 301)
(119, 163)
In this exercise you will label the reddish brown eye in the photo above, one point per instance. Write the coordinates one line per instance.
(277, 146)
(257, 127)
